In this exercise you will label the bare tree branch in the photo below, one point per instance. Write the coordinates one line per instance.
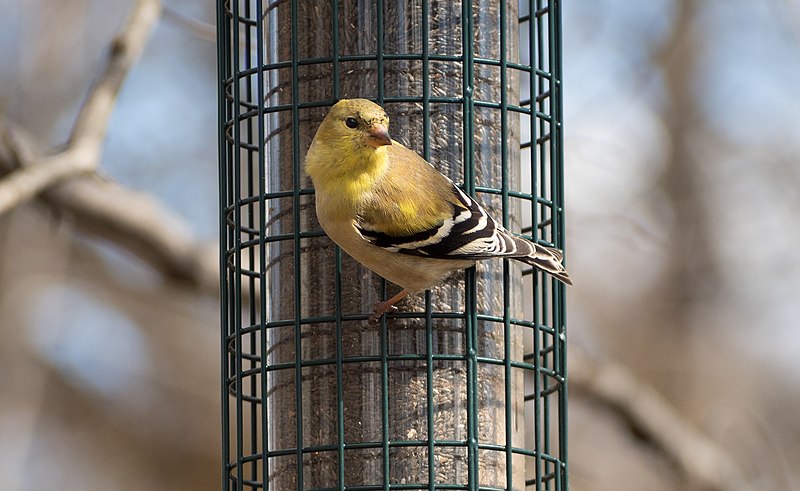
(29, 176)
(132, 220)
(107, 210)
(201, 30)
(141, 225)
(691, 274)
(30, 172)
(704, 464)
(126, 48)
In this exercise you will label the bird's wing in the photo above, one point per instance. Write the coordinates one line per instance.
(419, 211)
(463, 231)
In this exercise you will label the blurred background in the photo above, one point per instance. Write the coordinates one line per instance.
(683, 189)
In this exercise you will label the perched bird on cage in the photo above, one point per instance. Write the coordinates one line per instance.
(393, 212)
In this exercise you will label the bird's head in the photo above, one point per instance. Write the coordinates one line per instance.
(349, 150)
(355, 125)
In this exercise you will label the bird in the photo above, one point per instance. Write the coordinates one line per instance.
(393, 212)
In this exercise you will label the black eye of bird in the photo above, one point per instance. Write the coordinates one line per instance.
(351, 123)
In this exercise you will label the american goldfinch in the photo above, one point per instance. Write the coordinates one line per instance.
(393, 212)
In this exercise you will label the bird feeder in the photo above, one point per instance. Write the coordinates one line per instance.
(464, 386)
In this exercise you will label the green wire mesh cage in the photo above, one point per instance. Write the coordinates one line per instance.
(462, 388)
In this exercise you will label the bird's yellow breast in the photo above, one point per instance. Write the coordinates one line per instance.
(347, 174)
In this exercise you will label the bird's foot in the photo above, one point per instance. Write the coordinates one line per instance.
(380, 309)
(383, 307)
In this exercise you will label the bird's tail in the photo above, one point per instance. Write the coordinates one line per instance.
(548, 259)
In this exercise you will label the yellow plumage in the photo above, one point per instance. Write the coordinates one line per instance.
(390, 210)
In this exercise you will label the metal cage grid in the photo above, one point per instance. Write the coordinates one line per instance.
(274, 375)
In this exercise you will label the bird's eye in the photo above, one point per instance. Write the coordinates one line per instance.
(351, 123)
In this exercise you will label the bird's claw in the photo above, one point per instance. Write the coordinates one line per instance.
(379, 310)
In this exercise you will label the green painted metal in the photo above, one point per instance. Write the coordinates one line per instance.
(255, 99)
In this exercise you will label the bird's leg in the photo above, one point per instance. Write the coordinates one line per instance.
(383, 307)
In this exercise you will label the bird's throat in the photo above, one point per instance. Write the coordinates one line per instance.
(362, 174)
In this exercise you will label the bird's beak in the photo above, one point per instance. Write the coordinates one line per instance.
(378, 135)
